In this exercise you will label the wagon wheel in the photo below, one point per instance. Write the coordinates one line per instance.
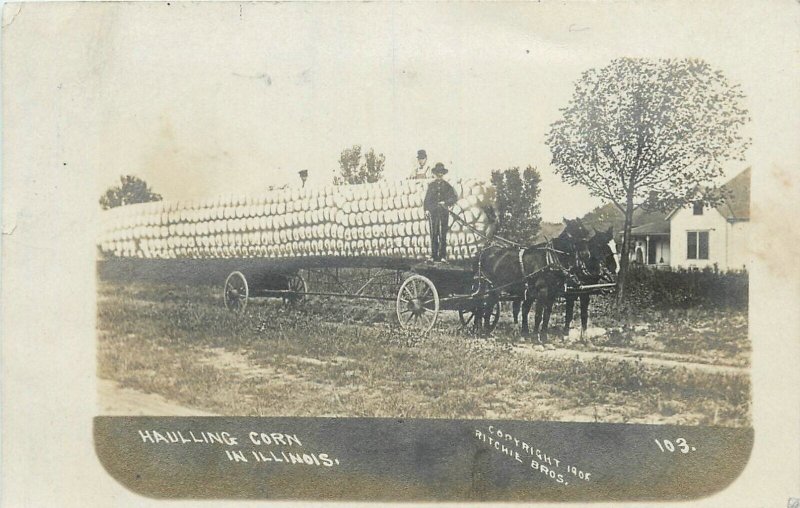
(417, 304)
(236, 292)
(467, 316)
(298, 287)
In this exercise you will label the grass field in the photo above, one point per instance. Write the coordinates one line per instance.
(335, 358)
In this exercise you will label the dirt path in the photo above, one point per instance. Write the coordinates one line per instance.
(287, 376)
(529, 349)
(113, 400)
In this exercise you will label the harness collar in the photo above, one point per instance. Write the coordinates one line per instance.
(550, 258)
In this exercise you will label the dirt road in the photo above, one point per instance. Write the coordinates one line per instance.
(529, 349)
(114, 400)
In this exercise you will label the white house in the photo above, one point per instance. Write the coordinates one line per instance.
(696, 236)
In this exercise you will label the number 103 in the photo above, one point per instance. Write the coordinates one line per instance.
(665, 445)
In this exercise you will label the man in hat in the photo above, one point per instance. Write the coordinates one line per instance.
(422, 171)
(439, 198)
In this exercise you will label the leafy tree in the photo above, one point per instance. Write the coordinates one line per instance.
(357, 168)
(608, 215)
(649, 133)
(517, 203)
(601, 217)
(131, 190)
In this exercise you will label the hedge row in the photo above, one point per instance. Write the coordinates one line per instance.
(681, 288)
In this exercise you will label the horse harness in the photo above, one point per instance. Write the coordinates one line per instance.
(550, 261)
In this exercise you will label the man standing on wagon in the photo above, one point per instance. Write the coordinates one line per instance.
(439, 198)
(421, 171)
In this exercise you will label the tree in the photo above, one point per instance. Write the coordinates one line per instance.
(517, 203)
(131, 190)
(608, 215)
(604, 216)
(357, 168)
(651, 133)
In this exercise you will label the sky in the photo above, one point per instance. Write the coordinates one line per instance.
(202, 99)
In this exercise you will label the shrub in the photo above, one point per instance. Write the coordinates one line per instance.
(682, 289)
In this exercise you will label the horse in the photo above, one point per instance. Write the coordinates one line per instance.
(530, 274)
(601, 266)
(575, 231)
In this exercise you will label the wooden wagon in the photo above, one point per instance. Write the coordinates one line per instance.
(419, 290)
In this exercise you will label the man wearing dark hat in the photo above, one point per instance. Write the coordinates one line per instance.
(422, 171)
(439, 198)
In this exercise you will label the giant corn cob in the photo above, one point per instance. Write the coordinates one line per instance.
(383, 219)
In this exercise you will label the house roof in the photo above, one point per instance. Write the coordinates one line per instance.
(737, 203)
(609, 215)
(649, 223)
(659, 227)
(644, 217)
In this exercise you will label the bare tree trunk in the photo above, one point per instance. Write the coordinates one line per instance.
(626, 247)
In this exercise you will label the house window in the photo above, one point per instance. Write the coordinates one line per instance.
(697, 208)
(697, 245)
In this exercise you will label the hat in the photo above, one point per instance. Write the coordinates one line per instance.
(421, 154)
(439, 169)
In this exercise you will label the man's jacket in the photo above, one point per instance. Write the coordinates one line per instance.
(439, 190)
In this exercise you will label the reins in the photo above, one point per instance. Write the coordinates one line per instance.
(494, 239)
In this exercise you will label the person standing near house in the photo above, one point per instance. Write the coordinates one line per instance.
(438, 200)
(421, 171)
